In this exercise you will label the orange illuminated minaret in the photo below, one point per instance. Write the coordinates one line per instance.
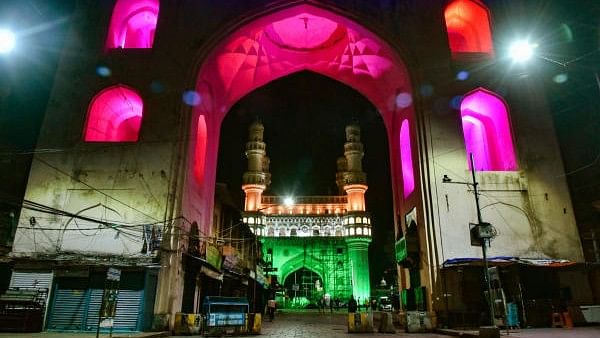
(350, 176)
(257, 178)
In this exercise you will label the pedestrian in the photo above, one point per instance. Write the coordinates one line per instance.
(358, 304)
(352, 304)
(271, 308)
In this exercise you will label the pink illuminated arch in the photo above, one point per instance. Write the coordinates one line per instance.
(487, 131)
(408, 177)
(293, 39)
(133, 24)
(468, 26)
(114, 115)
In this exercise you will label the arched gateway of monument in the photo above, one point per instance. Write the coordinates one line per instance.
(290, 40)
(284, 41)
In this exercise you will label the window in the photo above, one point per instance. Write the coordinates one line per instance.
(487, 131)
(468, 26)
(114, 115)
(133, 24)
(408, 179)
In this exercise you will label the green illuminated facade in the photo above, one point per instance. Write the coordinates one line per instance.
(317, 244)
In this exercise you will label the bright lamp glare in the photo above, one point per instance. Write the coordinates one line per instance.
(7, 41)
(521, 51)
(288, 201)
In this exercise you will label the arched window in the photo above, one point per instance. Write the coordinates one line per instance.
(468, 26)
(200, 151)
(408, 178)
(487, 131)
(114, 115)
(133, 24)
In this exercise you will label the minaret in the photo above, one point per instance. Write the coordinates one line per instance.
(355, 180)
(354, 183)
(257, 178)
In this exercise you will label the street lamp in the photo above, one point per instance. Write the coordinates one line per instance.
(7, 41)
(483, 232)
(521, 50)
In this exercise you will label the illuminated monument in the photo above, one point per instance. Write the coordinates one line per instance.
(318, 244)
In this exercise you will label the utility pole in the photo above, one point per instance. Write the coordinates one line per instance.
(484, 243)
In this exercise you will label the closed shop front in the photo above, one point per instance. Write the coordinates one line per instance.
(76, 302)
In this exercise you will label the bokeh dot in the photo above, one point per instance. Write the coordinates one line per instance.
(191, 98)
(426, 90)
(157, 87)
(462, 75)
(103, 71)
(560, 78)
(403, 100)
(455, 102)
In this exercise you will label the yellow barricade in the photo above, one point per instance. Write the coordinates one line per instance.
(359, 322)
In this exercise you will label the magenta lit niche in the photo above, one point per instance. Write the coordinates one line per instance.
(408, 177)
(133, 24)
(487, 131)
(114, 115)
(468, 26)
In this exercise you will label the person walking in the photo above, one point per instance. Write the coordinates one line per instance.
(271, 308)
(352, 304)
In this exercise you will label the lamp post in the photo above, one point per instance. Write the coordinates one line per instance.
(483, 233)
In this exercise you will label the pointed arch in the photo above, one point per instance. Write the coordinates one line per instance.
(133, 24)
(297, 38)
(487, 131)
(408, 177)
(114, 115)
(468, 28)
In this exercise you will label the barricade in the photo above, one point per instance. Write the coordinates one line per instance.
(187, 323)
(254, 323)
(360, 322)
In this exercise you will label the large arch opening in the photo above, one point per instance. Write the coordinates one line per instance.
(294, 39)
(306, 286)
(304, 135)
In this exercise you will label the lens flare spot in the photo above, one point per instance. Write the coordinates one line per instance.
(157, 87)
(455, 102)
(426, 90)
(462, 75)
(403, 100)
(103, 71)
(191, 98)
(560, 78)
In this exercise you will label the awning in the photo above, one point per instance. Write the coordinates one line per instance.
(506, 260)
(205, 267)
(210, 273)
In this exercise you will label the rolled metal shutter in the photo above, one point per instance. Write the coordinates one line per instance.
(128, 310)
(69, 308)
(93, 309)
(37, 280)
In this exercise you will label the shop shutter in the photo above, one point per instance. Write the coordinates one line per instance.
(69, 308)
(128, 310)
(93, 309)
(38, 280)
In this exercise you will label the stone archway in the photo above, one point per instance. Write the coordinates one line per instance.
(285, 41)
(298, 38)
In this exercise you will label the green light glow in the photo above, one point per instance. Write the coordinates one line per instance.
(340, 264)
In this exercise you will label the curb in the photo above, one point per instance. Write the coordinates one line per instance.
(144, 335)
(456, 333)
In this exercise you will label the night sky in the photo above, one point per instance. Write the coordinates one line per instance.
(304, 115)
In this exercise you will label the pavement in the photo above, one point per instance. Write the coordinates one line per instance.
(291, 324)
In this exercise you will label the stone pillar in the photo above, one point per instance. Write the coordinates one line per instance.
(358, 254)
